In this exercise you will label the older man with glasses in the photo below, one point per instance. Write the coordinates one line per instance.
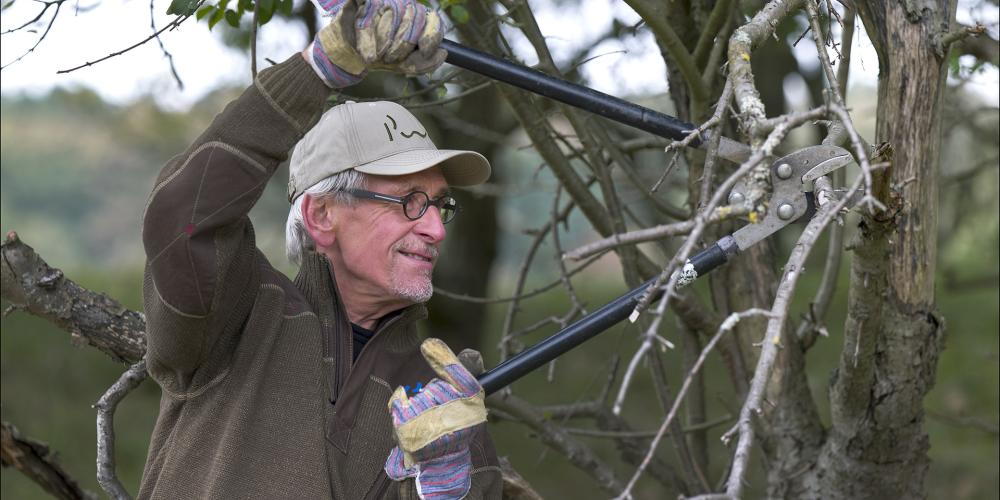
(274, 388)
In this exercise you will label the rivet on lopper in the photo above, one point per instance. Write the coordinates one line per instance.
(786, 211)
(736, 198)
(784, 171)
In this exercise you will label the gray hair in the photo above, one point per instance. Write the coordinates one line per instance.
(297, 239)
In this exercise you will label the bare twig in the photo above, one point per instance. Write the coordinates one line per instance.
(861, 149)
(772, 339)
(652, 233)
(515, 487)
(846, 44)
(579, 454)
(712, 152)
(171, 25)
(253, 40)
(499, 300)
(651, 13)
(675, 146)
(726, 326)
(512, 310)
(58, 4)
(707, 39)
(563, 273)
(39, 463)
(45, 8)
(106, 407)
(831, 78)
(452, 98)
(599, 433)
(811, 324)
(980, 424)
(984, 48)
(163, 48)
(741, 45)
(627, 166)
(560, 321)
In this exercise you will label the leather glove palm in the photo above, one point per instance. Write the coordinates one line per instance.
(435, 427)
(395, 35)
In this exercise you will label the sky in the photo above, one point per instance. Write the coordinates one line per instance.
(86, 30)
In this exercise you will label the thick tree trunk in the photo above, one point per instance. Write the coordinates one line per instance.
(877, 447)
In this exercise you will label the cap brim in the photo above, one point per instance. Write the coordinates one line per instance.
(460, 168)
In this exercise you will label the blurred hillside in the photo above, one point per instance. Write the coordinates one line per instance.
(75, 173)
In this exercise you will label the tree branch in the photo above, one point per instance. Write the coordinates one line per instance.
(772, 339)
(92, 318)
(106, 407)
(707, 39)
(44, 34)
(163, 48)
(652, 233)
(579, 454)
(172, 24)
(811, 325)
(726, 326)
(649, 12)
(741, 44)
(37, 461)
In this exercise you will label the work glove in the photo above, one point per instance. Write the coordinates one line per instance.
(394, 35)
(434, 427)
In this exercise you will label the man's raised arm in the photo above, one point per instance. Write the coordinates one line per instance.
(201, 257)
(200, 272)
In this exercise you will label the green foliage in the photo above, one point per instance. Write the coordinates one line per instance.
(266, 9)
(183, 7)
(456, 10)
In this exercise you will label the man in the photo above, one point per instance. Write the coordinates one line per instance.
(275, 389)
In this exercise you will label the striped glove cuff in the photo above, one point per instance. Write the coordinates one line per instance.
(334, 76)
(448, 477)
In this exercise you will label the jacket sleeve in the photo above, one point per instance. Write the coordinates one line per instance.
(201, 261)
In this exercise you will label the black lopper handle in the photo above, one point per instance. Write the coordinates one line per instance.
(562, 341)
(594, 323)
(586, 98)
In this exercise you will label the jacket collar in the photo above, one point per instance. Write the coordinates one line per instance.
(317, 282)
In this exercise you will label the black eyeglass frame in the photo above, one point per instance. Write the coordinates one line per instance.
(438, 202)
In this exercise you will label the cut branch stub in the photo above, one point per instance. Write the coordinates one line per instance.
(29, 283)
(106, 407)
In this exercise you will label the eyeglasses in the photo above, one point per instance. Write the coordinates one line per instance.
(414, 204)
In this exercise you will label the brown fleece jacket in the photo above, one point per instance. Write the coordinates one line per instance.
(259, 396)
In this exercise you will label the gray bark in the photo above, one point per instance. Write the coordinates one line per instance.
(92, 318)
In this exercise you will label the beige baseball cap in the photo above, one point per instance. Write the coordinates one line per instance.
(380, 138)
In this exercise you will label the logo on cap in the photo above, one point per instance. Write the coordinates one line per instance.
(406, 135)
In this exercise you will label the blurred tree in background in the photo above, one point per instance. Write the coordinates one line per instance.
(844, 410)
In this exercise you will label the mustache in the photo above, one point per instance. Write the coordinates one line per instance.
(418, 248)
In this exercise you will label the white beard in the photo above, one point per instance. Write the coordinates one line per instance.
(416, 292)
